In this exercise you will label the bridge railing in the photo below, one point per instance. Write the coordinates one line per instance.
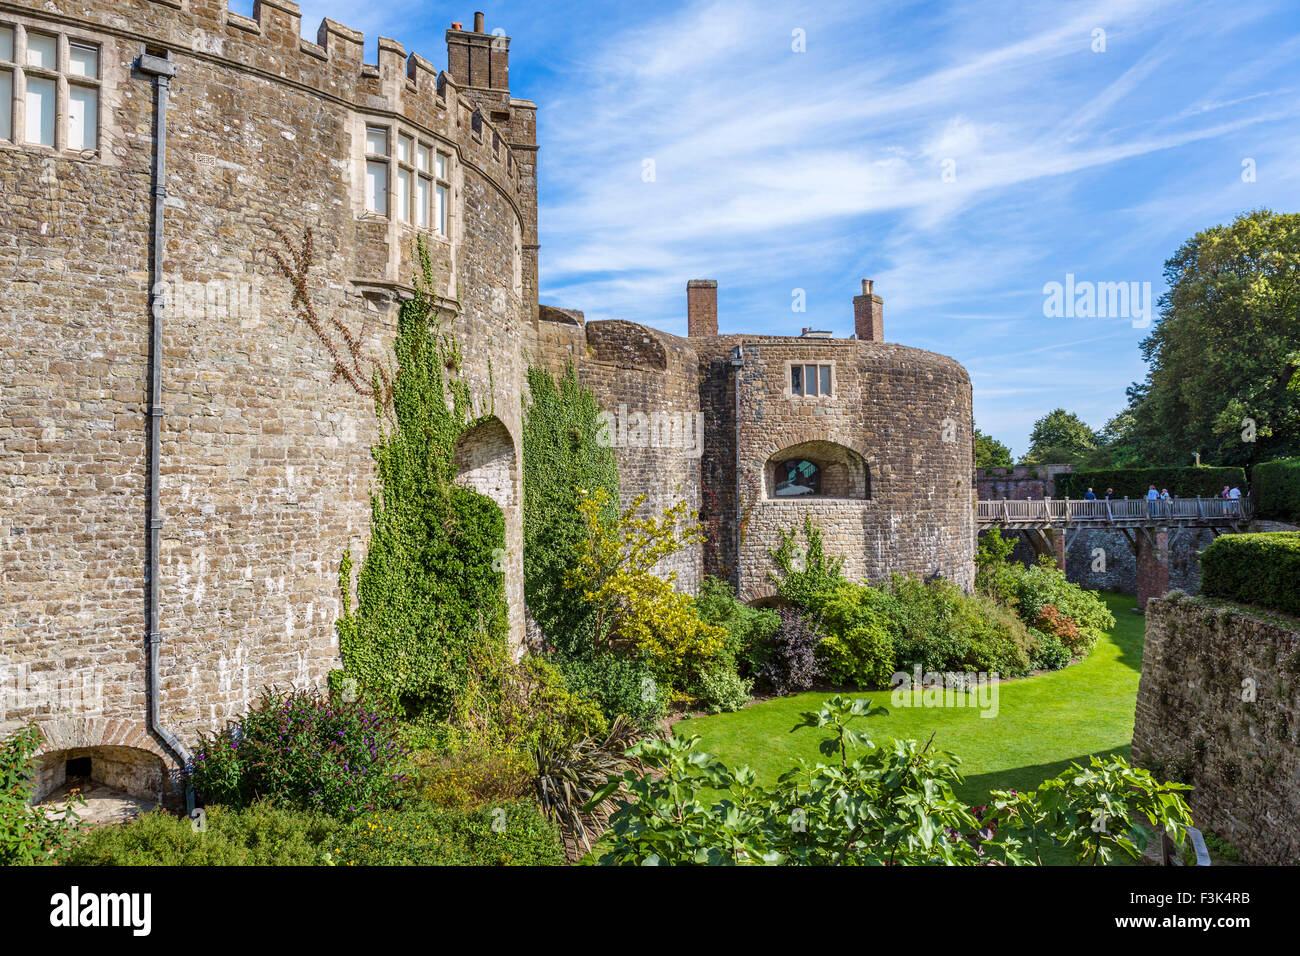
(1067, 510)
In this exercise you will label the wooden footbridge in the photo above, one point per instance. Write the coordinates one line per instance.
(1051, 526)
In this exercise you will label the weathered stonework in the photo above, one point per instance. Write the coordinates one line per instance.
(265, 465)
(1219, 708)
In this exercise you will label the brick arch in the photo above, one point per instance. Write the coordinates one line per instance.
(73, 733)
(123, 755)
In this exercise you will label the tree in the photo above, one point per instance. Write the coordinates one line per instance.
(991, 453)
(1060, 437)
(1224, 358)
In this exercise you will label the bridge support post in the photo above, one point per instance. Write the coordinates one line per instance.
(1057, 538)
(1152, 564)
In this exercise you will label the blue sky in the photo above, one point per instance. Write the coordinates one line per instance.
(777, 170)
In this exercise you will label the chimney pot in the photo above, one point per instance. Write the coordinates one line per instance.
(455, 25)
(478, 23)
(701, 307)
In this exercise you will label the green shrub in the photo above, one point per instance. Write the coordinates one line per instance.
(1052, 654)
(259, 835)
(721, 690)
(749, 629)
(1258, 569)
(1044, 585)
(28, 835)
(1276, 489)
(511, 834)
(1206, 482)
(303, 750)
(805, 574)
(939, 628)
(857, 647)
(619, 683)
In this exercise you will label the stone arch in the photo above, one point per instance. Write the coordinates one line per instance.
(116, 763)
(487, 461)
(834, 470)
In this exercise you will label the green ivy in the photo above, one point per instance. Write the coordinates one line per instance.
(428, 591)
(561, 455)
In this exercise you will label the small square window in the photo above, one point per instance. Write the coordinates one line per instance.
(42, 51)
(83, 61)
(7, 44)
(376, 141)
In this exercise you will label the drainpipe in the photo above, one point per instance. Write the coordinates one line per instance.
(737, 363)
(162, 69)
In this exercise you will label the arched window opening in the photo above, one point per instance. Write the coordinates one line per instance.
(817, 469)
(798, 476)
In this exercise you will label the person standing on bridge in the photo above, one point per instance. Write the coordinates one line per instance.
(1153, 499)
(1225, 493)
(1090, 496)
(1110, 493)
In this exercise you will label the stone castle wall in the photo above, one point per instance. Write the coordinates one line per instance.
(265, 465)
(1217, 709)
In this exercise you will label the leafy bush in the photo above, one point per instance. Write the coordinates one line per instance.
(619, 683)
(721, 690)
(512, 834)
(749, 629)
(1205, 482)
(858, 646)
(258, 835)
(303, 750)
(636, 610)
(937, 627)
(1276, 487)
(29, 835)
(1052, 654)
(792, 664)
(1258, 569)
(469, 773)
(1032, 589)
(890, 804)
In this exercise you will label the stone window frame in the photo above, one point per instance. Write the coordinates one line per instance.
(19, 70)
(788, 384)
(436, 174)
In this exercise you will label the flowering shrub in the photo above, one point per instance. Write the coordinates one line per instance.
(303, 749)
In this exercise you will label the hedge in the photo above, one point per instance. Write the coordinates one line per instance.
(1133, 482)
(1258, 569)
(1276, 485)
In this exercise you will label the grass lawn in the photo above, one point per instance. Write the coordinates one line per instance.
(1042, 724)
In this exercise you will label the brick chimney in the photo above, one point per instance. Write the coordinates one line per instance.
(868, 315)
(701, 307)
(478, 59)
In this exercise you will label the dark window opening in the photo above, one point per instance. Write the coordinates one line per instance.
(78, 767)
(798, 477)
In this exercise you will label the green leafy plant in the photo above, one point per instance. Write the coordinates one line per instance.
(428, 591)
(1257, 569)
(568, 774)
(31, 835)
